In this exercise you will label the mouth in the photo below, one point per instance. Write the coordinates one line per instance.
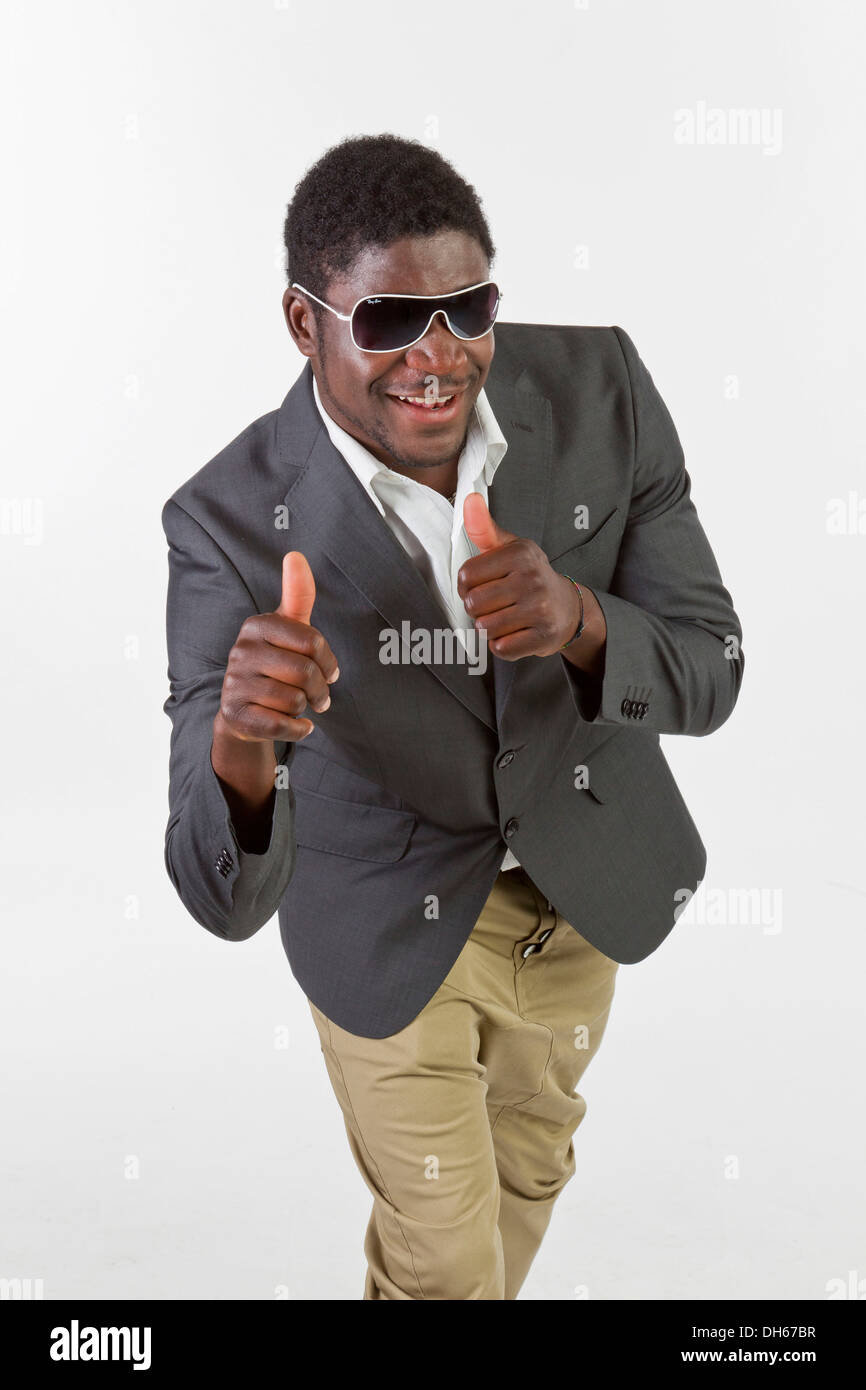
(438, 411)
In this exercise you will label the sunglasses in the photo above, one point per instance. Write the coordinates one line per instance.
(391, 322)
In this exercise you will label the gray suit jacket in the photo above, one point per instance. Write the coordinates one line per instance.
(400, 805)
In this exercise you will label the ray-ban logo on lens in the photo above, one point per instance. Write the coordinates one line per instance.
(439, 646)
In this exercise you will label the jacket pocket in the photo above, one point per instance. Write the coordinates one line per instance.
(605, 535)
(354, 829)
(627, 764)
(630, 770)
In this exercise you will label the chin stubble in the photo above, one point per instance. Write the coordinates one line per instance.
(380, 436)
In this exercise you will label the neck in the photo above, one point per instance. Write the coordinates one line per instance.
(442, 478)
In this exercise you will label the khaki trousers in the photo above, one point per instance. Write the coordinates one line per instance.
(461, 1124)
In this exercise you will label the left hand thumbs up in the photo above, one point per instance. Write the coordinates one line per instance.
(525, 607)
(481, 529)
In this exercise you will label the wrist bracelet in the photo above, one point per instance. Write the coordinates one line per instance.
(580, 624)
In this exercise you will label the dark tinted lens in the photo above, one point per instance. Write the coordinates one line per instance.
(471, 314)
(384, 325)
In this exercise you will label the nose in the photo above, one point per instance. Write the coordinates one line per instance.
(440, 350)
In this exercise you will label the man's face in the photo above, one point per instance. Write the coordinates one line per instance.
(360, 390)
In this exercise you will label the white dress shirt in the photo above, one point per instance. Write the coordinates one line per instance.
(425, 523)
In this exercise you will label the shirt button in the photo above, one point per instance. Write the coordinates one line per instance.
(511, 827)
(505, 759)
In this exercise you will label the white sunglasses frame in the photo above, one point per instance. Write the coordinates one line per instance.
(347, 318)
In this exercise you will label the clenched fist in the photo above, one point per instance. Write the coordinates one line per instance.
(278, 665)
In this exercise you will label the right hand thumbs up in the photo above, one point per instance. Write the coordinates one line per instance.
(279, 665)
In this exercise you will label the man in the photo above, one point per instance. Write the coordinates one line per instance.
(426, 623)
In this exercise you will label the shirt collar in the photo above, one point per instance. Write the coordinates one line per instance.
(483, 452)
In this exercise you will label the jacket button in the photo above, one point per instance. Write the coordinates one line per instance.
(505, 759)
(511, 827)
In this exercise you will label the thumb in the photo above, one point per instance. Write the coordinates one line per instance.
(481, 529)
(299, 588)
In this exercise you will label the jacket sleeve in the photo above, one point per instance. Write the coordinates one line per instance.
(227, 890)
(673, 656)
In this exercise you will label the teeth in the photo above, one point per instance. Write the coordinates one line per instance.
(421, 400)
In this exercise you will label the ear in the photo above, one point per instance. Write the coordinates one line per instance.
(301, 322)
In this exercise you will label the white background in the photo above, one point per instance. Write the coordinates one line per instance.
(151, 149)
